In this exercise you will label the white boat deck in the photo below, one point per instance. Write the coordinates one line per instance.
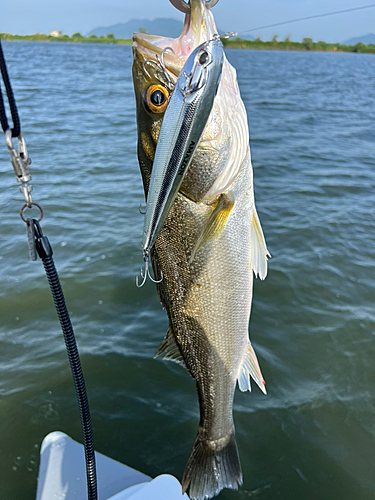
(62, 476)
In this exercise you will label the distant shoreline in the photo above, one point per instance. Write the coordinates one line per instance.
(66, 38)
(307, 45)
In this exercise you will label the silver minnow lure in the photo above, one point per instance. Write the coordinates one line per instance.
(184, 121)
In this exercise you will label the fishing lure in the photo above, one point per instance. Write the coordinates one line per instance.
(183, 124)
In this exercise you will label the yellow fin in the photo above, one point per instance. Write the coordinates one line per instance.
(259, 252)
(215, 224)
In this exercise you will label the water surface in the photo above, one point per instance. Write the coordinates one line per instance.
(311, 119)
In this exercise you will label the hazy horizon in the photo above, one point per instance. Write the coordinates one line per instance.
(84, 15)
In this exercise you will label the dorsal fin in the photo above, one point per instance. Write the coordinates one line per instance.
(259, 252)
(250, 368)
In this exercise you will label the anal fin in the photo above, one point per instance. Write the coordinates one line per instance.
(215, 223)
(250, 368)
(259, 252)
(169, 348)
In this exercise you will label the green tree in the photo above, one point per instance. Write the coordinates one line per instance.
(287, 38)
(111, 36)
(274, 38)
(308, 43)
(93, 36)
(142, 30)
(77, 35)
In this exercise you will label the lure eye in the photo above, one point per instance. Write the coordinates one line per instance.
(156, 98)
(203, 58)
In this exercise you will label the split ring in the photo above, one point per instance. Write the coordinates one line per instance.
(35, 205)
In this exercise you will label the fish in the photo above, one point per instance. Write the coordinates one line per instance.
(208, 249)
(185, 118)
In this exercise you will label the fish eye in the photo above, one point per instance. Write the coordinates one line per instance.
(203, 58)
(156, 98)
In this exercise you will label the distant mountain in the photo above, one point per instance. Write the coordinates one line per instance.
(161, 26)
(366, 39)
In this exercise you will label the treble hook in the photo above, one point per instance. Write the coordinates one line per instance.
(147, 272)
(149, 61)
(160, 65)
(164, 51)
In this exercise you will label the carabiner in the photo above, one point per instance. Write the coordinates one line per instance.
(20, 161)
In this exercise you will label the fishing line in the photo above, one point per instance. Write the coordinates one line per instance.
(309, 17)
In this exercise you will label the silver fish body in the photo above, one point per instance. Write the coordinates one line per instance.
(209, 247)
(184, 120)
(208, 302)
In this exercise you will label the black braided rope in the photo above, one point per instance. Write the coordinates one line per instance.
(62, 312)
(79, 383)
(16, 130)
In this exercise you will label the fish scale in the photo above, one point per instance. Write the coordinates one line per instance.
(211, 328)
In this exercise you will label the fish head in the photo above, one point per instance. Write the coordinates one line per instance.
(157, 63)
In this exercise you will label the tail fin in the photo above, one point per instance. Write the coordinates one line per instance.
(211, 467)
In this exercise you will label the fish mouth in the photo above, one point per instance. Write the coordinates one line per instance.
(199, 26)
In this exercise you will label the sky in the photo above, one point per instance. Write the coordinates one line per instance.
(30, 16)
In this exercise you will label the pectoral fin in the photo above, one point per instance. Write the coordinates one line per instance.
(215, 223)
(250, 368)
(259, 252)
(169, 348)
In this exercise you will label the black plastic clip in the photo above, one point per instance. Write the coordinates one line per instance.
(43, 246)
